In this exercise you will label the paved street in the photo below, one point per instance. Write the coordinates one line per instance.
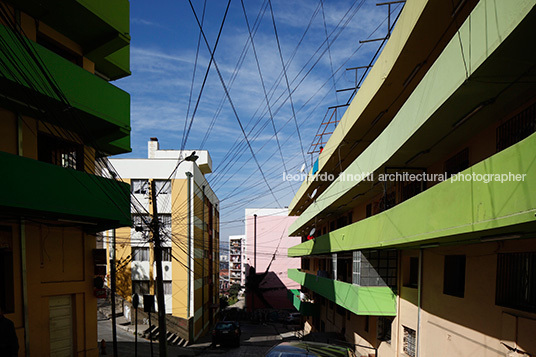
(256, 339)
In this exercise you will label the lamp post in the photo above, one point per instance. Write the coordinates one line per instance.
(162, 336)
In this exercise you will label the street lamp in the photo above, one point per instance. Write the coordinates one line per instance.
(158, 260)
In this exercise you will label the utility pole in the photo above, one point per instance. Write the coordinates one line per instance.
(162, 333)
(112, 295)
(254, 260)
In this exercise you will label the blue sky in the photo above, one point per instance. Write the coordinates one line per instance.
(163, 56)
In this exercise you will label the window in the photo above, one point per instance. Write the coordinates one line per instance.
(7, 297)
(457, 163)
(162, 187)
(375, 268)
(165, 221)
(59, 49)
(368, 210)
(413, 274)
(141, 222)
(367, 322)
(140, 287)
(57, 151)
(166, 254)
(384, 328)
(516, 128)
(167, 287)
(140, 186)
(356, 268)
(306, 263)
(516, 281)
(140, 254)
(334, 265)
(454, 276)
(409, 341)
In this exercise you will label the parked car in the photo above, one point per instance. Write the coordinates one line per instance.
(302, 348)
(294, 318)
(226, 333)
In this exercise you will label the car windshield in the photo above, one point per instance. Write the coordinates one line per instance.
(225, 326)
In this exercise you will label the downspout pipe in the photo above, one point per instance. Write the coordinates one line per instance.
(419, 302)
(189, 237)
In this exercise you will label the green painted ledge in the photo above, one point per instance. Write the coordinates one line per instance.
(447, 210)
(305, 308)
(103, 109)
(35, 188)
(490, 24)
(361, 300)
(101, 27)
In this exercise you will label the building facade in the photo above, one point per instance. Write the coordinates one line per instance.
(267, 242)
(59, 120)
(188, 213)
(237, 257)
(425, 244)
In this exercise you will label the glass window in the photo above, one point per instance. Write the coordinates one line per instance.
(167, 287)
(140, 186)
(140, 287)
(162, 187)
(140, 254)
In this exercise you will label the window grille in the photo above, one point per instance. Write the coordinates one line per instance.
(517, 128)
(516, 281)
(409, 341)
(457, 163)
(140, 287)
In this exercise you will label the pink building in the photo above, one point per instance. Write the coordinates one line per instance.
(269, 257)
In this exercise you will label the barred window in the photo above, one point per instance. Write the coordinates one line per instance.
(457, 163)
(516, 281)
(375, 268)
(517, 128)
(409, 341)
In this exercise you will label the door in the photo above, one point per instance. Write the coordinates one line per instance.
(61, 325)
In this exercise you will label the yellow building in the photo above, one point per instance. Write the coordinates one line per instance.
(189, 220)
(59, 120)
(425, 235)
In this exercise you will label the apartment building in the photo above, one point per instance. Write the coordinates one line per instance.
(237, 257)
(267, 242)
(424, 241)
(60, 119)
(188, 213)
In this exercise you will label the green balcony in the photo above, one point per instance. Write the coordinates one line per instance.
(99, 111)
(36, 189)
(305, 308)
(361, 300)
(451, 211)
(101, 27)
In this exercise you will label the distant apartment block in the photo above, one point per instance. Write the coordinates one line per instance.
(237, 257)
(269, 257)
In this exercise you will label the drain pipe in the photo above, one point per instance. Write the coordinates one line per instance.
(419, 302)
(189, 238)
(22, 236)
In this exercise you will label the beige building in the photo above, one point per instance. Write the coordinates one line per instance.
(425, 244)
(188, 213)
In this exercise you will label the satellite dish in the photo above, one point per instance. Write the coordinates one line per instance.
(312, 231)
(313, 194)
(302, 168)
